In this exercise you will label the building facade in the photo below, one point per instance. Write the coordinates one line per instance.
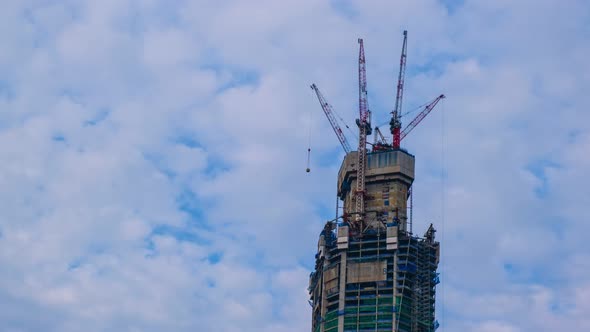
(378, 277)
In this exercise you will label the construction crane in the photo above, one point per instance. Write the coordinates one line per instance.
(396, 123)
(420, 117)
(380, 143)
(378, 137)
(364, 123)
(330, 115)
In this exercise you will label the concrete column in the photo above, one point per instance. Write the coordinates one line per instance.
(342, 291)
(394, 320)
(324, 296)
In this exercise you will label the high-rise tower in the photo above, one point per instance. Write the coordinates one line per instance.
(371, 272)
(380, 278)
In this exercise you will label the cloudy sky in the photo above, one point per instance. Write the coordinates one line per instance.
(153, 154)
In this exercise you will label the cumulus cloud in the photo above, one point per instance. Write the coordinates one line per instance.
(153, 157)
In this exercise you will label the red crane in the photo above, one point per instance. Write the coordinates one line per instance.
(396, 123)
(364, 123)
(330, 115)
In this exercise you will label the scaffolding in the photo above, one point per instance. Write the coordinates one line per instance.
(402, 292)
(382, 278)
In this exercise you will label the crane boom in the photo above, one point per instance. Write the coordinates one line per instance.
(364, 127)
(330, 115)
(420, 116)
(396, 122)
(379, 138)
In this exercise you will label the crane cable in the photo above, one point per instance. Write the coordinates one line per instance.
(308, 169)
(416, 108)
(406, 113)
(443, 201)
(354, 135)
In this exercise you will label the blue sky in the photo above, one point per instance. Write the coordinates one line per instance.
(152, 173)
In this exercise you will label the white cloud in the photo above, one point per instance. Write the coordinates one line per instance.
(113, 114)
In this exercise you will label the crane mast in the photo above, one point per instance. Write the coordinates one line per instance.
(330, 115)
(396, 123)
(364, 129)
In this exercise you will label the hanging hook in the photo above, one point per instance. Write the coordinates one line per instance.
(308, 154)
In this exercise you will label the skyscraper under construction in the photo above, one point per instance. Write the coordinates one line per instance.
(371, 272)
